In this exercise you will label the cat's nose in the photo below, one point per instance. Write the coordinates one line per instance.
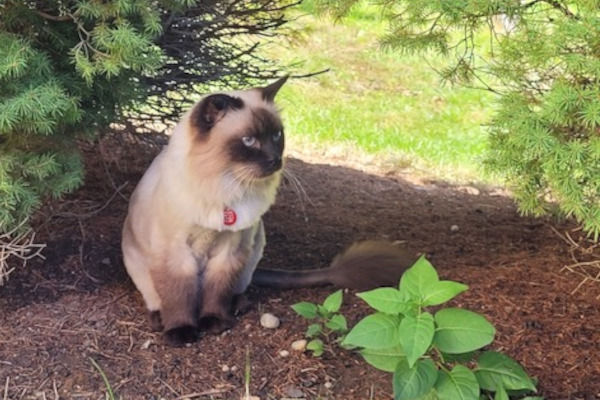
(275, 163)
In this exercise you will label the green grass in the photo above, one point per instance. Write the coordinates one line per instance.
(383, 103)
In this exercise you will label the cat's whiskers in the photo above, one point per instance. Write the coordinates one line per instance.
(297, 187)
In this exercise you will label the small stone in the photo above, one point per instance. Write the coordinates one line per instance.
(269, 321)
(225, 368)
(105, 261)
(234, 368)
(454, 228)
(299, 345)
(284, 353)
(146, 344)
(293, 392)
(328, 385)
(250, 398)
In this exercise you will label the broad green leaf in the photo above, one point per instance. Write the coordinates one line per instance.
(461, 331)
(316, 346)
(333, 302)
(496, 370)
(337, 323)
(417, 279)
(313, 330)
(431, 395)
(415, 335)
(413, 383)
(384, 359)
(375, 331)
(501, 394)
(386, 300)
(459, 384)
(441, 292)
(462, 358)
(306, 309)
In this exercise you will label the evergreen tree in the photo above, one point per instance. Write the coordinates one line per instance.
(69, 68)
(543, 59)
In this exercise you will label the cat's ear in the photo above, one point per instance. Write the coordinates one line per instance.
(214, 107)
(269, 92)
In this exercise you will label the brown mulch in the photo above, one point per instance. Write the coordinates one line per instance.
(78, 304)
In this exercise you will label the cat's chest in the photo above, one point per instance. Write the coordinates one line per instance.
(234, 213)
(232, 216)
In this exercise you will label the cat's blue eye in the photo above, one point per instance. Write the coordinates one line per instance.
(277, 136)
(249, 141)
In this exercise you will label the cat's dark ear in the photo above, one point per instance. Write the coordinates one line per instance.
(269, 92)
(213, 108)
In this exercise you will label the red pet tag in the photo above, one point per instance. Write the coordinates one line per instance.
(229, 217)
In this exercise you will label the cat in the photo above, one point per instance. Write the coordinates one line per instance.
(194, 235)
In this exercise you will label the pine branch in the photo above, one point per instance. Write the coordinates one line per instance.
(55, 18)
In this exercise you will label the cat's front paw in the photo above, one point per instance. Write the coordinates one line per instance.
(216, 325)
(181, 335)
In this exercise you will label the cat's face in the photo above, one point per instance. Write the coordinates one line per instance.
(241, 131)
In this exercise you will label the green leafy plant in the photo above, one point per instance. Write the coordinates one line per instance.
(329, 323)
(432, 355)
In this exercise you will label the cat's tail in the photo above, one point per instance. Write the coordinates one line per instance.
(364, 265)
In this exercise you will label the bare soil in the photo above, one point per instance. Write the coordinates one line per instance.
(79, 304)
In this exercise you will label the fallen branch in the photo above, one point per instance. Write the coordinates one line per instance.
(589, 271)
(19, 244)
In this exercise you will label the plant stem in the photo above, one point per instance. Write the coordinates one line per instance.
(247, 374)
(109, 391)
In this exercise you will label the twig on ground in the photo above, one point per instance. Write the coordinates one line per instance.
(20, 244)
(81, 262)
(94, 211)
(201, 394)
(56, 396)
(6, 388)
(169, 387)
(581, 268)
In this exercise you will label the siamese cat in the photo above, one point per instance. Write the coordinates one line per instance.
(194, 235)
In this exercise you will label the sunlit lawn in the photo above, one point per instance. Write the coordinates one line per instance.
(380, 102)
